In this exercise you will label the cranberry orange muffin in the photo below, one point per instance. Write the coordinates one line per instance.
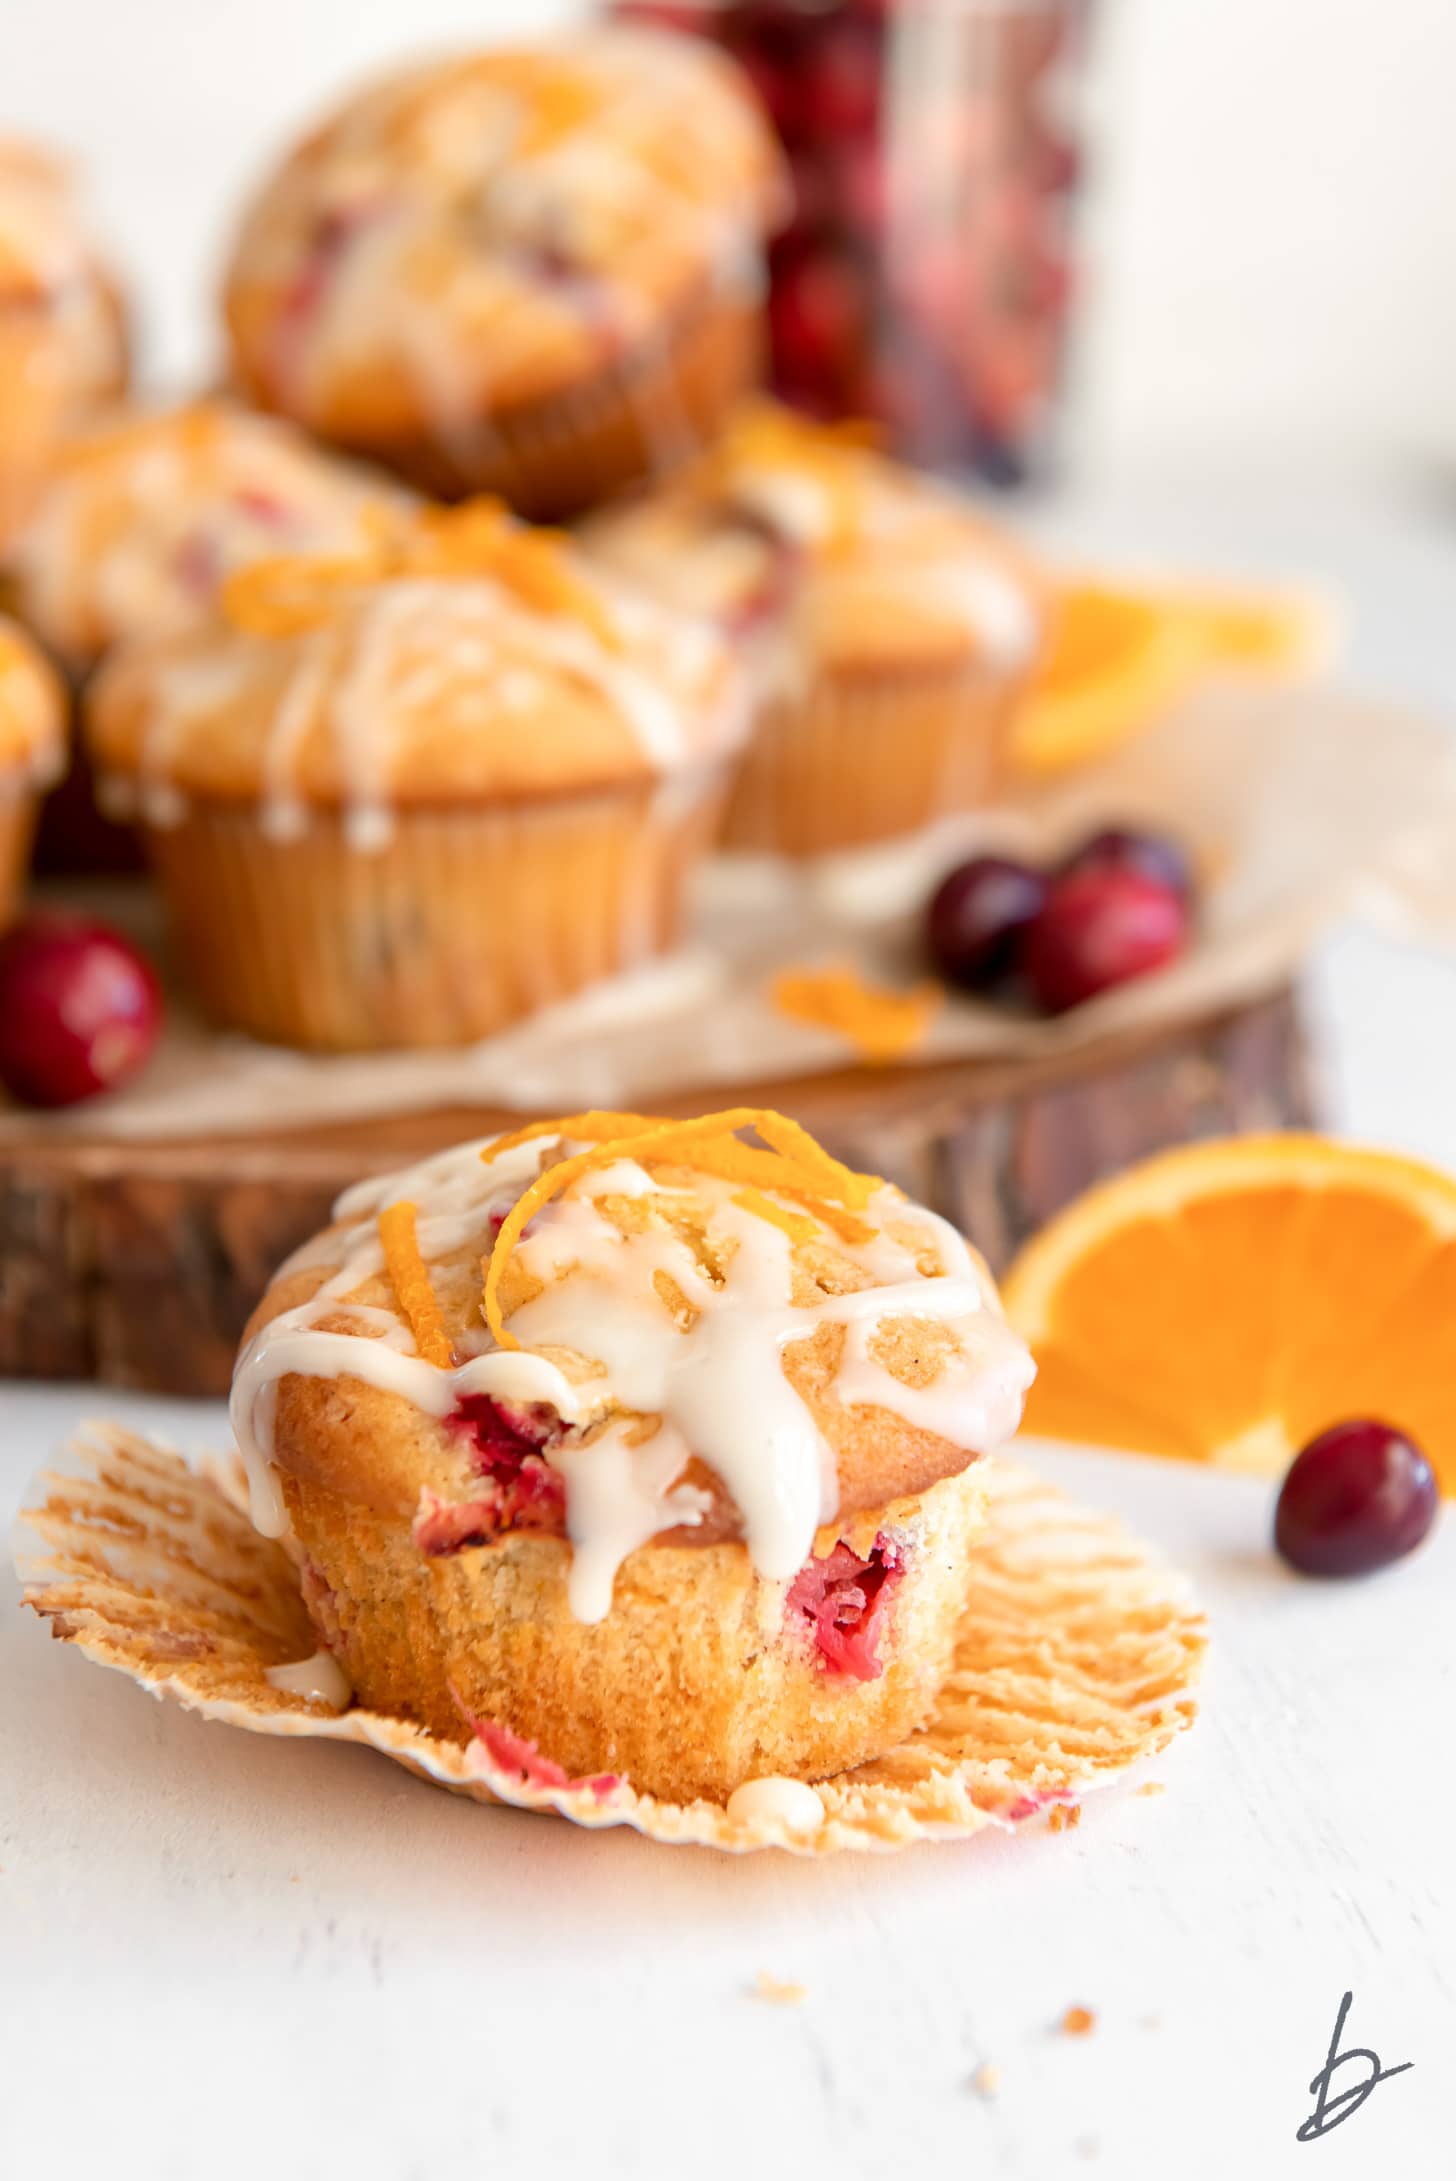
(140, 521)
(62, 324)
(144, 517)
(637, 1442)
(893, 630)
(32, 747)
(405, 796)
(532, 271)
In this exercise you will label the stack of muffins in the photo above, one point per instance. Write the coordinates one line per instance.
(404, 773)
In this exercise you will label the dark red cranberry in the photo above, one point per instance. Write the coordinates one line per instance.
(80, 1010)
(840, 94)
(819, 318)
(1358, 1497)
(1123, 848)
(1098, 929)
(978, 916)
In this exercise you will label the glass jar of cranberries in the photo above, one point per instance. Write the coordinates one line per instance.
(925, 275)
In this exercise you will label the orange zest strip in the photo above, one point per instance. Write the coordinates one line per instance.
(412, 1285)
(287, 594)
(830, 1191)
(798, 1226)
(593, 1128)
(881, 1025)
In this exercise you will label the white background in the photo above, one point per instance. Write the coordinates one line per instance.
(1272, 236)
(222, 1958)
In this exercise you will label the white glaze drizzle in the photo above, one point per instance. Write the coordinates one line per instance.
(475, 140)
(713, 1377)
(670, 686)
(320, 1678)
(776, 1801)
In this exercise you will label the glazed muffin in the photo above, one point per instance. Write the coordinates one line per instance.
(63, 344)
(634, 1447)
(140, 522)
(892, 630)
(405, 797)
(32, 747)
(533, 271)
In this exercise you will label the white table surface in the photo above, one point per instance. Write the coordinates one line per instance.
(222, 1956)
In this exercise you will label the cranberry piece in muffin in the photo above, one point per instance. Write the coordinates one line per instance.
(683, 1493)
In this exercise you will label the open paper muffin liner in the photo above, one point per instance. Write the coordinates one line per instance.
(1076, 1658)
(852, 760)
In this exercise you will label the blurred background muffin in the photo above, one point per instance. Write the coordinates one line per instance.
(406, 799)
(139, 523)
(32, 746)
(891, 629)
(63, 333)
(535, 271)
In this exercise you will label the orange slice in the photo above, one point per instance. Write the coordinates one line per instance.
(1225, 1302)
(1120, 658)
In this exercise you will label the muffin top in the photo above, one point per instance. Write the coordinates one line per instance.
(628, 1330)
(144, 516)
(834, 558)
(462, 654)
(32, 709)
(497, 227)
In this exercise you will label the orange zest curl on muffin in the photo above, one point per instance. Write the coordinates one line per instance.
(684, 1494)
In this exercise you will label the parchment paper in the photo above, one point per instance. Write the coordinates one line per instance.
(1301, 804)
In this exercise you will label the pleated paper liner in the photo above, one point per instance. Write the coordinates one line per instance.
(1076, 1659)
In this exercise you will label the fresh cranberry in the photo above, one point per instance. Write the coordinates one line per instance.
(819, 318)
(1122, 848)
(841, 91)
(1098, 929)
(80, 1009)
(978, 917)
(1358, 1497)
(844, 1599)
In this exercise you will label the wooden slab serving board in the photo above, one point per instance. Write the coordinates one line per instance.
(138, 1263)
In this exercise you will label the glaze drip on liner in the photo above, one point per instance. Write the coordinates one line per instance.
(711, 1372)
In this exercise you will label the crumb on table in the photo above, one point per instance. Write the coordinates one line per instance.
(987, 2079)
(1078, 2022)
(779, 1993)
(1064, 1816)
(1152, 1787)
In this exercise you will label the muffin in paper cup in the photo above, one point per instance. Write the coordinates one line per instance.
(63, 335)
(534, 271)
(405, 797)
(684, 1492)
(1076, 1658)
(141, 520)
(891, 631)
(32, 752)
